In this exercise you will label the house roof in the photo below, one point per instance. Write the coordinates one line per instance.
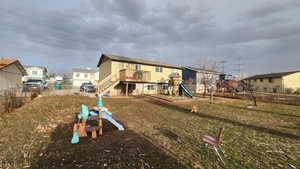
(135, 60)
(84, 70)
(6, 62)
(270, 75)
(41, 67)
(202, 70)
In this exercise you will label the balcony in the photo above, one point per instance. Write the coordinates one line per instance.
(135, 75)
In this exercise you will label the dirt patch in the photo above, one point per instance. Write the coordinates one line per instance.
(119, 150)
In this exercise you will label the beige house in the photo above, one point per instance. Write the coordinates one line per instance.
(11, 72)
(119, 75)
(284, 82)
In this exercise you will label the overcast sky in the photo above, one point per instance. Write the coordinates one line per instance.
(72, 34)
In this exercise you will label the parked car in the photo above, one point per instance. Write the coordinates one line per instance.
(34, 84)
(87, 87)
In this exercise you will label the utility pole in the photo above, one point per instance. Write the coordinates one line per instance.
(239, 65)
(223, 65)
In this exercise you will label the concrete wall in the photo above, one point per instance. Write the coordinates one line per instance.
(10, 77)
(292, 82)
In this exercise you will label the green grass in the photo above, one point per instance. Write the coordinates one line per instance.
(267, 136)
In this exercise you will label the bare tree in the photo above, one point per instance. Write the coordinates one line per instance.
(247, 87)
(209, 77)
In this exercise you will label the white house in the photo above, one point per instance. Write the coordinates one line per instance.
(199, 80)
(55, 78)
(35, 72)
(84, 75)
(11, 72)
(59, 78)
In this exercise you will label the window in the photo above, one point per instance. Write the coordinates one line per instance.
(254, 80)
(34, 72)
(151, 87)
(174, 71)
(158, 69)
(165, 87)
(138, 67)
(86, 75)
(77, 74)
(261, 80)
(270, 80)
(131, 87)
(121, 66)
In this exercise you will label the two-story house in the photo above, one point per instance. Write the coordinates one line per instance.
(121, 75)
(35, 72)
(283, 82)
(198, 80)
(80, 76)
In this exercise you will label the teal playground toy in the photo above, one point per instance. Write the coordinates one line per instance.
(100, 102)
(187, 91)
(84, 112)
(109, 114)
(92, 113)
(114, 122)
(75, 138)
(83, 126)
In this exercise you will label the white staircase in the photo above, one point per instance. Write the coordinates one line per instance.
(108, 83)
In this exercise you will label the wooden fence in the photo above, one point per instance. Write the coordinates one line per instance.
(11, 99)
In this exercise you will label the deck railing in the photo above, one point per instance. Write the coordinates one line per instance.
(130, 75)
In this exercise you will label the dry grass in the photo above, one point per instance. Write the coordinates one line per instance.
(163, 135)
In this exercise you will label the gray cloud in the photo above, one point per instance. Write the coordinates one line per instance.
(65, 35)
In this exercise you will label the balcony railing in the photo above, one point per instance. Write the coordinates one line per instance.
(135, 75)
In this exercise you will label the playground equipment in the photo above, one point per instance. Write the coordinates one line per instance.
(75, 138)
(91, 121)
(174, 82)
(194, 109)
(215, 143)
(187, 91)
